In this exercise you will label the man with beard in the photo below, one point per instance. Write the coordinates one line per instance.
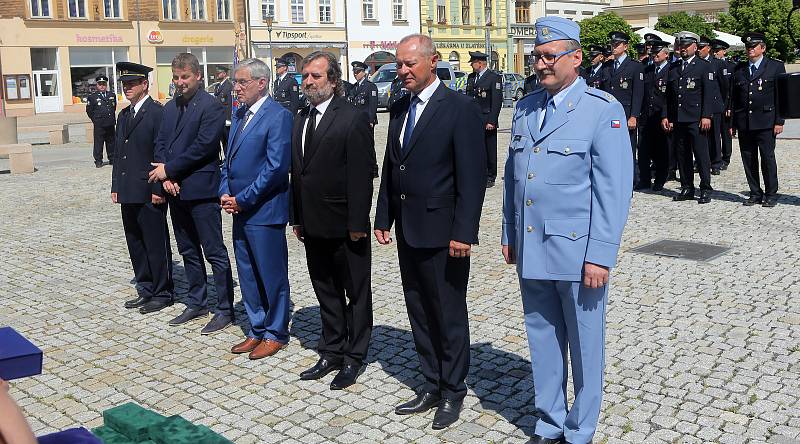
(332, 162)
(432, 186)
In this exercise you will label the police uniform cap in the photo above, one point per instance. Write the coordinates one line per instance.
(640, 49)
(717, 44)
(132, 71)
(650, 37)
(221, 68)
(594, 50)
(607, 51)
(754, 38)
(657, 46)
(477, 55)
(703, 42)
(551, 28)
(618, 36)
(686, 37)
(101, 78)
(280, 61)
(359, 66)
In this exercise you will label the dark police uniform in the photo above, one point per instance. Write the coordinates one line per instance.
(101, 108)
(755, 115)
(487, 89)
(396, 92)
(593, 74)
(285, 90)
(726, 144)
(224, 92)
(625, 81)
(364, 95)
(145, 224)
(713, 135)
(531, 83)
(690, 95)
(653, 146)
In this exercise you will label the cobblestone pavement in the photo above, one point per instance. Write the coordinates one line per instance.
(696, 352)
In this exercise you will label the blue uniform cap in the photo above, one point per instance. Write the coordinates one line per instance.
(551, 28)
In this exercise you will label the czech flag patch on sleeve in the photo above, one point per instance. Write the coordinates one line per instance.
(615, 124)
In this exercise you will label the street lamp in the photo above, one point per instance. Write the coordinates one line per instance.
(487, 10)
(429, 22)
(269, 48)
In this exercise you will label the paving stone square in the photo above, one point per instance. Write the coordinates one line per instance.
(695, 351)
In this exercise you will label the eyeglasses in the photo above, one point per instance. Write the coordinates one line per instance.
(242, 82)
(549, 59)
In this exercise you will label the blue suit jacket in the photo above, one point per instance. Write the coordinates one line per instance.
(190, 149)
(256, 169)
(567, 187)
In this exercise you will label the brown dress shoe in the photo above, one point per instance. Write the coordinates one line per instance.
(267, 347)
(247, 346)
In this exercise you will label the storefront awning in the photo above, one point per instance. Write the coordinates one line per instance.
(315, 45)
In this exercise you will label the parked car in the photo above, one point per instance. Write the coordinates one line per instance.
(445, 72)
(515, 84)
(461, 81)
(382, 78)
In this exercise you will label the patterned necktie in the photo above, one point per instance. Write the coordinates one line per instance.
(616, 65)
(410, 121)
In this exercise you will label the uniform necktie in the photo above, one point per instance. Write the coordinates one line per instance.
(616, 65)
(752, 70)
(311, 125)
(239, 130)
(685, 63)
(658, 69)
(550, 109)
(410, 121)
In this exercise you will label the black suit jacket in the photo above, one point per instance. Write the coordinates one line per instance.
(135, 145)
(223, 92)
(434, 188)
(690, 92)
(626, 84)
(755, 98)
(331, 181)
(488, 92)
(655, 91)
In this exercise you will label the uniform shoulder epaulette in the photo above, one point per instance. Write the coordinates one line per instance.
(600, 94)
(534, 92)
(158, 103)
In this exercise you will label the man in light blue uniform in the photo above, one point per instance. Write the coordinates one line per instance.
(567, 192)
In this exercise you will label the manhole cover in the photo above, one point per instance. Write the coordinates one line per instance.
(695, 251)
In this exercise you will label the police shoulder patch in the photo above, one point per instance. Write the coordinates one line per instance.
(711, 76)
(498, 85)
(641, 76)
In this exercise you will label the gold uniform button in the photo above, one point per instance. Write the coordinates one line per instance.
(529, 202)
(573, 235)
(530, 228)
(536, 149)
(531, 176)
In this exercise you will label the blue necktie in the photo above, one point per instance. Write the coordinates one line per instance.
(410, 121)
(241, 127)
(550, 109)
(752, 70)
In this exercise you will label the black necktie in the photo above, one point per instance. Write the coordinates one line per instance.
(181, 104)
(310, 127)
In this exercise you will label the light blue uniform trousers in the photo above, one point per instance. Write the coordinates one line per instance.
(561, 316)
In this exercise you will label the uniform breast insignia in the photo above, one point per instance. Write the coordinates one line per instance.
(711, 76)
(641, 76)
(498, 85)
(623, 84)
(690, 84)
(374, 93)
(615, 124)
(760, 81)
(294, 87)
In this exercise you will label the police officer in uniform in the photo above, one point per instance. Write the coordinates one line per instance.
(222, 91)
(144, 209)
(396, 92)
(364, 94)
(101, 107)
(594, 73)
(653, 146)
(641, 52)
(720, 96)
(623, 79)
(688, 115)
(531, 82)
(757, 118)
(719, 48)
(284, 88)
(487, 88)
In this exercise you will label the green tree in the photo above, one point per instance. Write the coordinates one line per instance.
(767, 16)
(594, 31)
(681, 21)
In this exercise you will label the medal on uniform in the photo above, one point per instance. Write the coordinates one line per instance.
(483, 93)
(624, 85)
(759, 84)
(690, 84)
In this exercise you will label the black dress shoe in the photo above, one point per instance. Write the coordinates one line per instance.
(684, 195)
(536, 439)
(320, 369)
(138, 302)
(770, 202)
(752, 200)
(705, 197)
(188, 315)
(422, 403)
(346, 377)
(658, 187)
(642, 186)
(447, 413)
(154, 306)
(98, 164)
(217, 323)
(672, 177)
(489, 183)
(715, 171)
(724, 166)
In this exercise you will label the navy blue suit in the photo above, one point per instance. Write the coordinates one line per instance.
(256, 173)
(189, 149)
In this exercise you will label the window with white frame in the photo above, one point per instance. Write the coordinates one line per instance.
(325, 15)
(368, 9)
(198, 9)
(224, 10)
(267, 9)
(398, 10)
(112, 8)
(77, 8)
(441, 12)
(40, 8)
(298, 11)
(465, 12)
(170, 8)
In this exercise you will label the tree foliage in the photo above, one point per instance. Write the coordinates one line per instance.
(681, 21)
(767, 16)
(594, 31)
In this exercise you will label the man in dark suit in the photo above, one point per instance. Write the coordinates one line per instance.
(719, 49)
(487, 89)
(144, 210)
(757, 118)
(718, 101)
(284, 87)
(623, 79)
(223, 92)
(254, 188)
(187, 164)
(653, 147)
(688, 113)
(332, 162)
(101, 106)
(432, 187)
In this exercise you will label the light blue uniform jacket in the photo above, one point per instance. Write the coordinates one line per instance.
(567, 187)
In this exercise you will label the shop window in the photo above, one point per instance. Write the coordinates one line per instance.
(267, 9)
(398, 10)
(170, 9)
(209, 57)
(40, 8)
(298, 11)
(17, 88)
(77, 9)
(224, 10)
(325, 15)
(368, 9)
(112, 9)
(465, 12)
(198, 9)
(88, 63)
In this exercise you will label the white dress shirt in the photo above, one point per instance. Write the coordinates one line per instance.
(424, 97)
(321, 108)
